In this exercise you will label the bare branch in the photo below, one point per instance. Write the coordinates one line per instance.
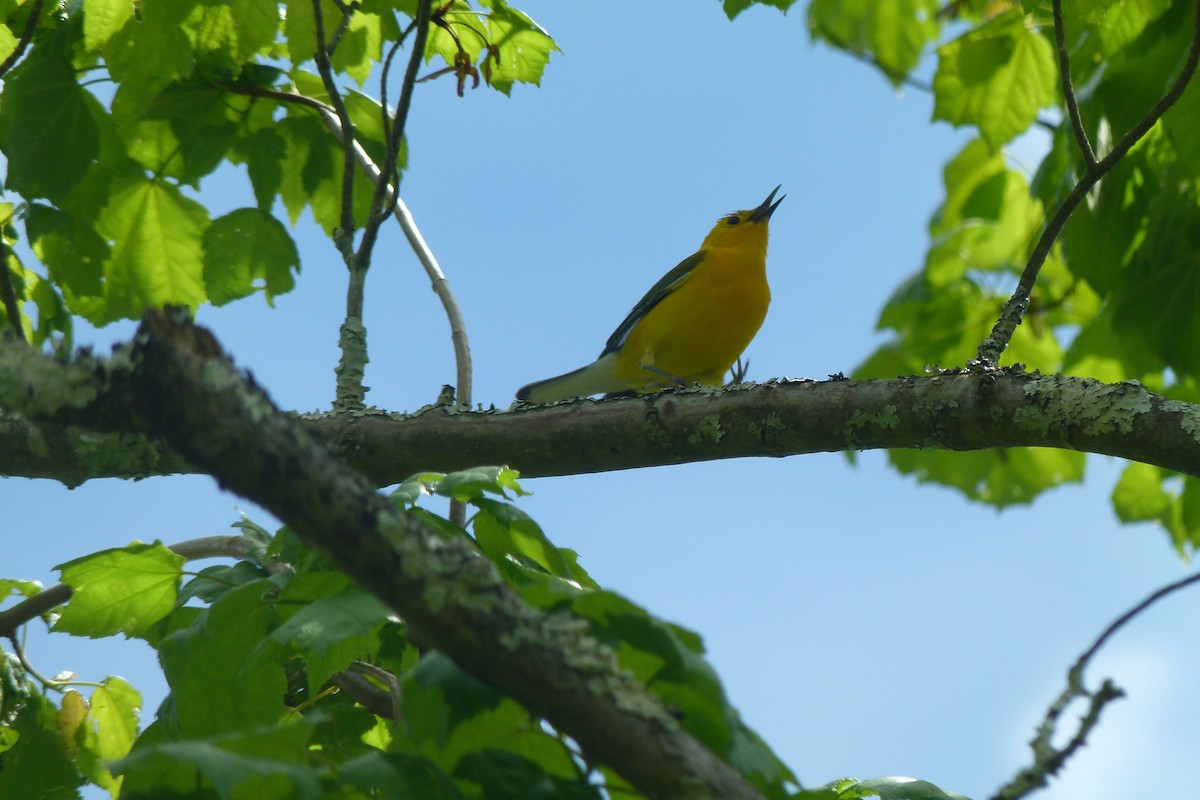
(989, 351)
(30, 609)
(345, 237)
(382, 197)
(1068, 90)
(959, 411)
(1048, 759)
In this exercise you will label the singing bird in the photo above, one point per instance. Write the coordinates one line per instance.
(691, 326)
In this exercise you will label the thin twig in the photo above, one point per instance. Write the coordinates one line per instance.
(1124, 619)
(35, 13)
(371, 230)
(324, 68)
(1048, 759)
(437, 278)
(294, 98)
(1010, 317)
(1068, 90)
(347, 10)
(32, 608)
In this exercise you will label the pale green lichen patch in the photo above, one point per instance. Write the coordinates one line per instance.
(772, 426)
(707, 429)
(860, 420)
(35, 384)
(1189, 422)
(1191, 425)
(1057, 401)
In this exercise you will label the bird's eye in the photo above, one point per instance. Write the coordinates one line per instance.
(732, 220)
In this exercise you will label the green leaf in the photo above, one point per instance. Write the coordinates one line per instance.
(114, 712)
(149, 52)
(438, 697)
(504, 531)
(1126, 20)
(213, 582)
(508, 776)
(48, 131)
(157, 255)
(216, 684)
(187, 131)
(330, 633)
(124, 590)
(102, 19)
(735, 7)
(263, 153)
(905, 789)
(245, 251)
(471, 484)
(360, 48)
(996, 77)
(1188, 540)
(73, 251)
(1000, 477)
(1157, 299)
(227, 35)
(524, 47)
(894, 34)
(13, 586)
(1098, 352)
(987, 220)
(300, 28)
(40, 764)
(398, 776)
(259, 765)
(8, 42)
(312, 173)
(1139, 495)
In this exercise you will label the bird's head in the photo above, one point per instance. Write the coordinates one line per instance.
(744, 228)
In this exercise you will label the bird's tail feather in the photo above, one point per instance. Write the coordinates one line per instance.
(596, 378)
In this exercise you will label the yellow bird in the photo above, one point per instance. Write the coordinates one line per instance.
(691, 326)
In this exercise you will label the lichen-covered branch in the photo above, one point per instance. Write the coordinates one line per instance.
(951, 411)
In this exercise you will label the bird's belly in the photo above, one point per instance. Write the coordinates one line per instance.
(695, 336)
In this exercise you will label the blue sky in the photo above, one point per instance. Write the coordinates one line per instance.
(863, 625)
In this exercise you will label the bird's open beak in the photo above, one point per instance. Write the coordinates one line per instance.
(764, 211)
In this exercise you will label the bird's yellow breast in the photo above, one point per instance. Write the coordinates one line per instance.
(697, 331)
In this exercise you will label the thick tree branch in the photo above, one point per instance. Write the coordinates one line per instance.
(960, 411)
(989, 351)
(178, 383)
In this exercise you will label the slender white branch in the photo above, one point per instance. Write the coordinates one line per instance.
(437, 278)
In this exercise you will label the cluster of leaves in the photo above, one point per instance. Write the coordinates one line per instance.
(1118, 296)
(139, 103)
(261, 655)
